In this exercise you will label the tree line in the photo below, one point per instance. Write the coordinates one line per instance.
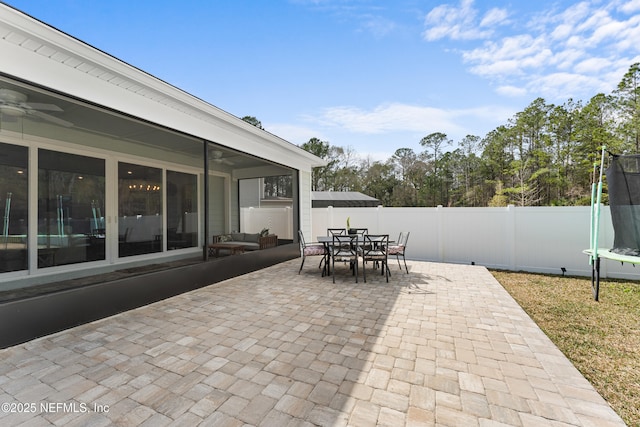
(543, 156)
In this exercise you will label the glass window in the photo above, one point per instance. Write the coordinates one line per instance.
(266, 204)
(139, 209)
(14, 185)
(71, 197)
(182, 210)
(278, 186)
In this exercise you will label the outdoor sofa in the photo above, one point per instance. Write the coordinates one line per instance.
(250, 241)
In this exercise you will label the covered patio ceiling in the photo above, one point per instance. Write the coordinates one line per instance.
(25, 109)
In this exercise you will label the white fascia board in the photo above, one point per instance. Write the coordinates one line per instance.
(40, 54)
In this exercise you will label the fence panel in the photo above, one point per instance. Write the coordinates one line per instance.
(535, 239)
(477, 235)
(277, 220)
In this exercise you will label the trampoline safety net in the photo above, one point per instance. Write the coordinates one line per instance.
(623, 178)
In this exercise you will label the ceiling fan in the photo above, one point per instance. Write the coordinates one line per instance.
(14, 104)
(216, 157)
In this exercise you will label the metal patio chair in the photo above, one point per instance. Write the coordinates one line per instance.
(359, 231)
(398, 249)
(311, 249)
(336, 231)
(345, 249)
(375, 248)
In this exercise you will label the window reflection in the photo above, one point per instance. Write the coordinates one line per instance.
(139, 209)
(71, 196)
(13, 201)
(182, 210)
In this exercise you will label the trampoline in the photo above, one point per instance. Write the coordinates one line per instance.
(623, 180)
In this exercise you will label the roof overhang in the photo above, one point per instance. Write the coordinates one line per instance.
(38, 53)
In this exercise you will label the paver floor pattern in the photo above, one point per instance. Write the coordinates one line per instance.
(444, 345)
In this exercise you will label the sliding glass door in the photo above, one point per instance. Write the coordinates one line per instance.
(71, 200)
(14, 190)
(140, 223)
(182, 210)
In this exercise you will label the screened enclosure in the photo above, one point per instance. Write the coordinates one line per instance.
(623, 179)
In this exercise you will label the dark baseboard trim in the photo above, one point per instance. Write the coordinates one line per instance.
(30, 318)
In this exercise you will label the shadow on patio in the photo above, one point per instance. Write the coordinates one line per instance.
(444, 344)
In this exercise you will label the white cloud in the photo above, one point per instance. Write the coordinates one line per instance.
(628, 36)
(567, 58)
(378, 26)
(294, 133)
(456, 23)
(493, 17)
(592, 66)
(404, 118)
(565, 85)
(574, 14)
(630, 6)
(578, 46)
(379, 131)
(561, 32)
(388, 118)
(511, 91)
(510, 56)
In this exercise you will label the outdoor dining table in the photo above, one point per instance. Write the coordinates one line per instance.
(327, 241)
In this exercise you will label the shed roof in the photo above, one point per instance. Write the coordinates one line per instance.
(322, 199)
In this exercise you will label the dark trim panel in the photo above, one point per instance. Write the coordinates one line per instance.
(24, 320)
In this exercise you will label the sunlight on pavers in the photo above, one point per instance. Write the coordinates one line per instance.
(444, 344)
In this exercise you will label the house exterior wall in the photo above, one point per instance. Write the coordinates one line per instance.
(53, 64)
(305, 206)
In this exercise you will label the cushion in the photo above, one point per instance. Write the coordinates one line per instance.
(393, 250)
(237, 237)
(224, 238)
(375, 255)
(314, 250)
(249, 237)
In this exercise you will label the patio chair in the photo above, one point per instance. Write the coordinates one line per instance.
(311, 249)
(345, 249)
(336, 231)
(399, 248)
(375, 248)
(359, 231)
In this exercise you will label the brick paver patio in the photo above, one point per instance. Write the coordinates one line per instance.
(444, 345)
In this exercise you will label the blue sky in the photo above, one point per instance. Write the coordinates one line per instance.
(369, 75)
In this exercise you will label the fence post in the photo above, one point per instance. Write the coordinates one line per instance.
(288, 215)
(510, 236)
(440, 225)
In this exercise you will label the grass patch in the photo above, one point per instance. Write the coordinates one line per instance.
(602, 339)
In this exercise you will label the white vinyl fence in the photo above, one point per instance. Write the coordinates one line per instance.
(535, 239)
(278, 220)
